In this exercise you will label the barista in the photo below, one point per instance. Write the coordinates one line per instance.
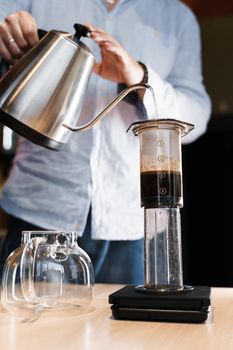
(92, 184)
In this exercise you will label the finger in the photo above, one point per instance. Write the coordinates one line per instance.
(5, 53)
(88, 25)
(9, 47)
(29, 28)
(13, 29)
(23, 28)
(13, 47)
(113, 49)
(93, 28)
(98, 34)
(99, 38)
(20, 41)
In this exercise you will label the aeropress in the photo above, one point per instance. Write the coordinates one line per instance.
(163, 297)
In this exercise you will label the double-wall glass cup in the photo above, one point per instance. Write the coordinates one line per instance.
(48, 272)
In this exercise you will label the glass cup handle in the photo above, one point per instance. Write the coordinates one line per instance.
(27, 269)
(10, 293)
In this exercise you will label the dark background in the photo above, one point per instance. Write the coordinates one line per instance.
(207, 232)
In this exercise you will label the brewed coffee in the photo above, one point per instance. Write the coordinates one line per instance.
(161, 189)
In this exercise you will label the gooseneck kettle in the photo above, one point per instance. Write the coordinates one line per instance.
(41, 96)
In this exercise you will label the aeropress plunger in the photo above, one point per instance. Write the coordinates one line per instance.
(163, 295)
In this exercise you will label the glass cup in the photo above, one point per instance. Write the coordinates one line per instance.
(48, 272)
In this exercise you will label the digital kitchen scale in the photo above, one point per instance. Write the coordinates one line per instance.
(191, 306)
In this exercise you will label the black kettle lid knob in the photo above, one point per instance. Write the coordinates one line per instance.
(81, 31)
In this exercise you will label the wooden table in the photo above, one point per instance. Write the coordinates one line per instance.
(98, 330)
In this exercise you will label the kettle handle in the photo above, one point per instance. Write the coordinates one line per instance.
(41, 33)
(110, 106)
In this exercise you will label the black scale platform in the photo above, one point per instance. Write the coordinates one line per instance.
(192, 306)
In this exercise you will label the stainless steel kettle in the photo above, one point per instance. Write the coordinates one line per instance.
(41, 96)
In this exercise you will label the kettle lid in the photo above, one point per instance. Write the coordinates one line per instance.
(81, 31)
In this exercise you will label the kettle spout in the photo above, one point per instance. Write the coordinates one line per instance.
(109, 107)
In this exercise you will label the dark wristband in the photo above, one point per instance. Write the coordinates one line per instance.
(145, 76)
(133, 98)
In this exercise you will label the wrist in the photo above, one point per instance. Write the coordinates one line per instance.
(138, 74)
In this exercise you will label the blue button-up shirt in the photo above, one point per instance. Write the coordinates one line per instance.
(100, 167)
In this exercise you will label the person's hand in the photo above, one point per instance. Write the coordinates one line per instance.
(18, 33)
(116, 65)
